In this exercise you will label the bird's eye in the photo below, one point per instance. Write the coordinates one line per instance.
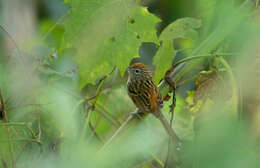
(137, 71)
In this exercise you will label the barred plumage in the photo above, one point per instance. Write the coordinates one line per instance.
(145, 94)
(142, 89)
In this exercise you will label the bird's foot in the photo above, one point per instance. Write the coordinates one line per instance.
(137, 113)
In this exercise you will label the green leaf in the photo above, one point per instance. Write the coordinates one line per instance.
(51, 33)
(181, 28)
(226, 26)
(163, 59)
(107, 33)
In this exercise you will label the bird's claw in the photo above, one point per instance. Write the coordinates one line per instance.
(137, 113)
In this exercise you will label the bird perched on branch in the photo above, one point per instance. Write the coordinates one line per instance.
(145, 94)
(142, 89)
(147, 98)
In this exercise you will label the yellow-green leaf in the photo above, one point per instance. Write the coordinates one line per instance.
(181, 28)
(107, 33)
(163, 59)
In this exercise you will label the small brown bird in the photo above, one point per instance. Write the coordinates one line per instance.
(142, 89)
(145, 94)
(147, 98)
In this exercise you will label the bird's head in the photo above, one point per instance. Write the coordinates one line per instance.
(138, 71)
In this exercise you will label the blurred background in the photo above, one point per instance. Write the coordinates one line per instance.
(54, 113)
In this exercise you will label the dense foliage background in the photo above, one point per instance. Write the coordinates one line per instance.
(63, 101)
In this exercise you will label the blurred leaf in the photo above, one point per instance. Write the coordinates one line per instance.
(189, 98)
(219, 136)
(107, 34)
(212, 13)
(228, 24)
(205, 91)
(52, 33)
(181, 28)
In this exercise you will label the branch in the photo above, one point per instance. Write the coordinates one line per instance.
(30, 140)
(166, 126)
(118, 131)
(14, 124)
(3, 109)
(93, 104)
(108, 117)
(15, 44)
(38, 116)
(95, 133)
(192, 57)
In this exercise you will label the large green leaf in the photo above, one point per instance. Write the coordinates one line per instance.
(163, 59)
(181, 28)
(107, 33)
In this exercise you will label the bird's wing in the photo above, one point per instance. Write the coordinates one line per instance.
(140, 98)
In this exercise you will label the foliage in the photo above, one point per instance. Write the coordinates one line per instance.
(181, 28)
(63, 101)
(107, 34)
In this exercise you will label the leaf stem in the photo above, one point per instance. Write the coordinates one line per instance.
(233, 83)
(14, 124)
(14, 43)
(201, 56)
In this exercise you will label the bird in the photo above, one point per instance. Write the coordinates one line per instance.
(142, 89)
(144, 93)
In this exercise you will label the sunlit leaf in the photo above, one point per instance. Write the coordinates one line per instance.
(181, 28)
(107, 34)
(162, 59)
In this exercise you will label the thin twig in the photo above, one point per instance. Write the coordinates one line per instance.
(181, 83)
(118, 131)
(91, 107)
(100, 87)
(38, 116)
(15, 124)
(173, 87)
(14, 43)
(30, 140)
(25, 105)
(158, 160)
(192, 57)
(108, 117)
(94, 128)
(166, 125)
(95, 133)
(3, 109)
(60, 20)
(142, 163)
